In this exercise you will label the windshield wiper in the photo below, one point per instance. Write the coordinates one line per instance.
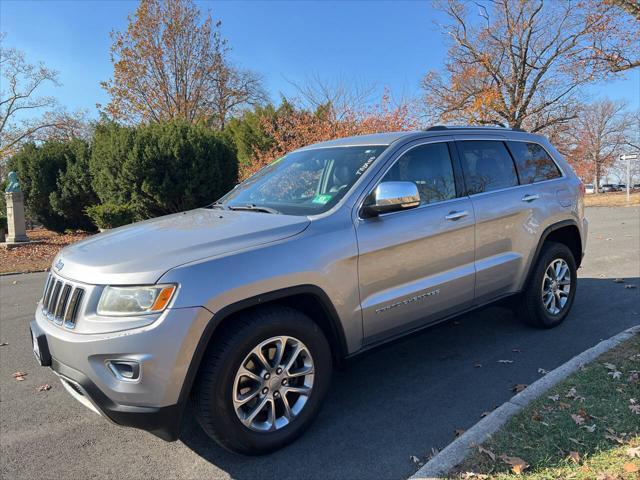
(253, 208)
(218, 205)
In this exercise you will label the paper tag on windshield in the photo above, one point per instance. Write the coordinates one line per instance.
(321, 199)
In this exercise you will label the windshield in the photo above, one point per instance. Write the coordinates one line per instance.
(307, 182)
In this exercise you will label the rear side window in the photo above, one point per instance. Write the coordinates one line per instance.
(487, 166)
(429, 167)
(533, 162)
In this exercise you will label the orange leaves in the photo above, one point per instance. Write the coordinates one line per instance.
(294, 127)
(517, 464)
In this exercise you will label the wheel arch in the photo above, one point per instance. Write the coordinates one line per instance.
(566, 232)
(309, 299)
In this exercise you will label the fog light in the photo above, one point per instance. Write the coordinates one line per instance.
(124, 369)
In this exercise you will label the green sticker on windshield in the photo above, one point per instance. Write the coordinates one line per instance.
(321, 199)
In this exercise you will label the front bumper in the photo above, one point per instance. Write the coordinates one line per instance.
(164, 350)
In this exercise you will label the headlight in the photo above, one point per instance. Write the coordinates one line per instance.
(135, 300)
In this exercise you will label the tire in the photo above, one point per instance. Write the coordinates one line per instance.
(216, 390)
(533, 307)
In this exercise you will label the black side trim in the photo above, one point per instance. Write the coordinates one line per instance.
(163, 422)
(543, 238)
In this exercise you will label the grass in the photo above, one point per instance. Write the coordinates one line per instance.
(613, 199)
(587, 427)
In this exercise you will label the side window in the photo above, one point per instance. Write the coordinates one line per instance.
(533, 162)
(429, 167)
(487, 165)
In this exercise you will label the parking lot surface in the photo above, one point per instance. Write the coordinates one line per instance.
(396, 401)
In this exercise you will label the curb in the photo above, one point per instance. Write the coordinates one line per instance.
(457, 450)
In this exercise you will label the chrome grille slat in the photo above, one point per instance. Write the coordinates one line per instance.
(72, 309)
(61, 301)
(53, 301)
(47, 292)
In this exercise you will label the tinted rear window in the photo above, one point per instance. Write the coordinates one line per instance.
(533, 162)
(487, 166)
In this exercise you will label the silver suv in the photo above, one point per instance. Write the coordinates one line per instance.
(244, 307)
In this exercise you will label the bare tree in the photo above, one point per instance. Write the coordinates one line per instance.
(170, 63)
(338, 97)
(600, 136)
(25, 115)
(234, 89)
(522, 63)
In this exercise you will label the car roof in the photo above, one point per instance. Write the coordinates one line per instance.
(388, 138)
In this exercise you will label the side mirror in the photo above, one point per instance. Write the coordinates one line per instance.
(391, 197)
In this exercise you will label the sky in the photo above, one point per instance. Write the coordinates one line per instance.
(383, 43)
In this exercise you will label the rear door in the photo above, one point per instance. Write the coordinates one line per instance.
(416, 266)
(508, 215)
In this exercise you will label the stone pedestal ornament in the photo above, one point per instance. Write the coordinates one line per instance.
(16, 226)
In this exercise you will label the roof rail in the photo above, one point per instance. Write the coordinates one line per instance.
(471, 127)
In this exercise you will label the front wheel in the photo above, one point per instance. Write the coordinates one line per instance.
(549, 295)
(264, 380)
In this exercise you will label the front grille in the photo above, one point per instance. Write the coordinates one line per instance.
(61, 301)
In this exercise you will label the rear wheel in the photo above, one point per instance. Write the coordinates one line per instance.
(550, 292)
(263, 382)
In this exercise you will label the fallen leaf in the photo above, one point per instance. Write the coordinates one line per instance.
(578, 419)
(516, 463)
(563, 406)
(630, 286)
(518, 387)
(616, 375)
(415, 460)
(589, 428)
(477, 365)
(618, 280)
(3, 344)
(458, 431)
(575, 456)
(542, 371)
(484, 414)
(633, 452)
(554, 398)
(631, 468)
(19, 376)
(505, 361)
(609, 239)
(44, 388)
(635, 408)
(491, 455)
(434, 451)
(634, 377)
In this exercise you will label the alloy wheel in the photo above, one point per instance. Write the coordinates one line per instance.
(273, 384)
(556, 285)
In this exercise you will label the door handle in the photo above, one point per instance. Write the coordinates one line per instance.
(530, 198)
(456, 215)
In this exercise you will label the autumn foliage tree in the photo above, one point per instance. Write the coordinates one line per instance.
(294, 126)
(522, 63)
(171, 64)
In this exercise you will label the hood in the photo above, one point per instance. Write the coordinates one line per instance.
(141, 253)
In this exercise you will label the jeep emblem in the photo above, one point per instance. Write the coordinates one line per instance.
(59, 264)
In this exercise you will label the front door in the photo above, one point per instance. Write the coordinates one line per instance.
(416, 266)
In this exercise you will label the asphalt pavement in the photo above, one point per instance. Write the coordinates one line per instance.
(393, 402)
